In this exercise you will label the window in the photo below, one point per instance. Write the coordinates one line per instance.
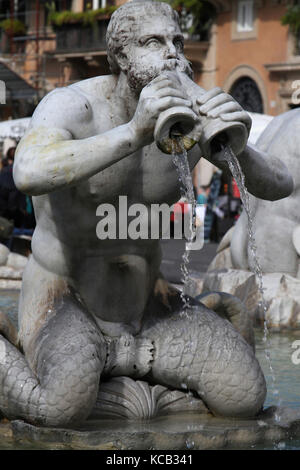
(245, 17)
(247, 94)
(95, 4)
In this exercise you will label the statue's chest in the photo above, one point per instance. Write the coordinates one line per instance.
(125, 177)
(145, 175)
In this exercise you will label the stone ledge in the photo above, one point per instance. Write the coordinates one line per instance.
(10, 284)
(188, 431)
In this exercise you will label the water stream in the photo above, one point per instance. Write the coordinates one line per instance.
(239, 177)
(186, 187)
(187, 192)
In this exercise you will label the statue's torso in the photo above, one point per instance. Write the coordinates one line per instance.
(65, 240)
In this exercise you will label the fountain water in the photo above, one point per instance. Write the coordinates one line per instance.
(239, 177)
(186, 188)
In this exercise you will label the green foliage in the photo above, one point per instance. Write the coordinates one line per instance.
(292, 18)
(13, 26)
(87, 18)
(196, 16)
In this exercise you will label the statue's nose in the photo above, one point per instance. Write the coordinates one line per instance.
(171, 51)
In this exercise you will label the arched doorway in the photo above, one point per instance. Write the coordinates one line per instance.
(246, 93)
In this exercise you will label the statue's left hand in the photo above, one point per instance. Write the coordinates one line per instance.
(216, 103)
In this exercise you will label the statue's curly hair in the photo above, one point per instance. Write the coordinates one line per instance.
(120, 28)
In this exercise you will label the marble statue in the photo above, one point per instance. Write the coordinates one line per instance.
(95, 311)
(276, 228)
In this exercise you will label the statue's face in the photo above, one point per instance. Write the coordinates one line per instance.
(157, 46)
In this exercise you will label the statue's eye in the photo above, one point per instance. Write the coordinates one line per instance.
(152, 42)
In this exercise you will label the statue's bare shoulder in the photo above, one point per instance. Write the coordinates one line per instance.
(63, 108)
(70, 107)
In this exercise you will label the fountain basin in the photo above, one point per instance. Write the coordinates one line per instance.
(180, 432)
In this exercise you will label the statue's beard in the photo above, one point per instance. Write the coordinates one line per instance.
(139, 77)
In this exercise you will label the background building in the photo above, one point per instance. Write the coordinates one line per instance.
(51, 44)
(255, 57)
(239, 45)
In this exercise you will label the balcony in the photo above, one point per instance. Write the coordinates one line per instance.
(76, 38)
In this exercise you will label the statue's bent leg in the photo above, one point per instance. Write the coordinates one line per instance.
(202, 352)
(56, 382)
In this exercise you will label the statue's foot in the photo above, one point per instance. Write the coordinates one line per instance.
(125, 398)
(129, 355)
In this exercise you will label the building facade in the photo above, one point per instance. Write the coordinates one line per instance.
(248, 52)
(256, 58)
(56, 45)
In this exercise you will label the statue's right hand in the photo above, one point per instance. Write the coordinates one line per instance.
(162, 93)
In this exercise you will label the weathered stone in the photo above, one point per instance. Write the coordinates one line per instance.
(229, 281)
(10, 284)
(16, 261)
(281, 293)
(7, 272)
(195, 285)
(222, 260)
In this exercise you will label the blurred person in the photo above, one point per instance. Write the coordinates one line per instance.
(10, 155)
(16, 210)
(203, 192)
(210, 215)
(12, 201)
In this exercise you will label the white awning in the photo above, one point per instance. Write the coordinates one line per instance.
(14, 128)
(259, 123)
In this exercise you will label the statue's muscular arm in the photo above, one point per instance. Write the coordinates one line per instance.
(265, 177)
(49, 157)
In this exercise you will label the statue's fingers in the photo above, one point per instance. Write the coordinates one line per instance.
(168, 102)
(170, 91)
(159, 82)
(215, 102)
(242, 116)
(159, 78)
(209, 95)
(223, 109)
